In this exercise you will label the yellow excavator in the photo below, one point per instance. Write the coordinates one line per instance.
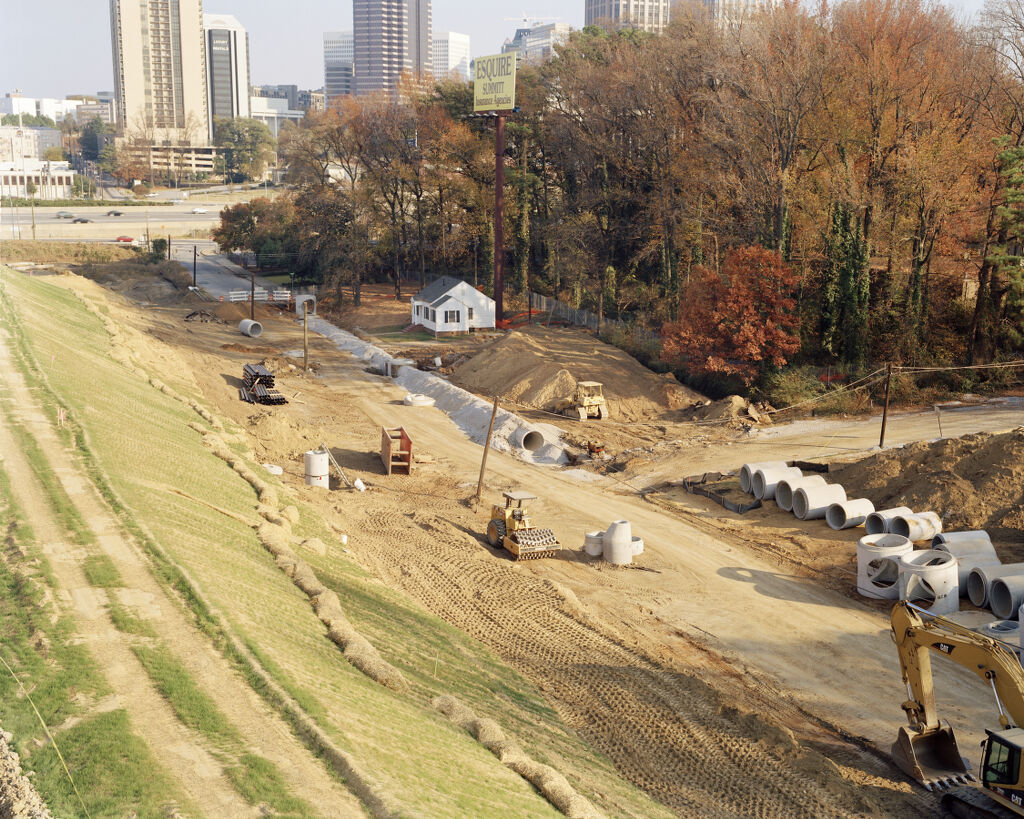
(926, 748)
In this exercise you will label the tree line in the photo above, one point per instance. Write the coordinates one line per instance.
(840, 184)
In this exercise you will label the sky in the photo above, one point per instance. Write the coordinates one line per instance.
(52, 48)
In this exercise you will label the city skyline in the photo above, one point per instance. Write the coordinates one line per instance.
(78, 56)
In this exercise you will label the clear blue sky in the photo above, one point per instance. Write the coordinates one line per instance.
(51, 48)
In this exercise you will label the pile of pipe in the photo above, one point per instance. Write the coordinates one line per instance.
(617, 544)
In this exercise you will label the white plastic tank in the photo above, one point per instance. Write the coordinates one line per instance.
(317, 468)
(878, 565)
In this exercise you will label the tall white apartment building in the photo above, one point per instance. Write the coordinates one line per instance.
(160, 70)
(339, 64)
(227, 67)
(644, 15)
(451, 55)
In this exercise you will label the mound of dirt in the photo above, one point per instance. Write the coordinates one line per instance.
(539, 367)
(974, 482)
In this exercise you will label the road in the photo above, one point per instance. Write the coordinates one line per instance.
(214, 272)
(134, 221)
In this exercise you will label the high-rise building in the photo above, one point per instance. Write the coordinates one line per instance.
(729, 12)
(391, 36)
(451, 55)
(644, 15)
(339, 61)
(537, 43)
(160, 70)
(227, 67)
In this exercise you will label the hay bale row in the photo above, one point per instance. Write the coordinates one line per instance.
(552, 785)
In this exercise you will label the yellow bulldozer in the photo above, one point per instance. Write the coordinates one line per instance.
(510, 526)
(587, 402)
(926, 748)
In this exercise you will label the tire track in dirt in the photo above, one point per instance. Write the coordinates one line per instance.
(263, 730)
(667, 732)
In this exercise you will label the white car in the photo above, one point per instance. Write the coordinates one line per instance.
(200, 210)
(152, 195)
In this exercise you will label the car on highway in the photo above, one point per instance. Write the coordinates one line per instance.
(200, 210)
(80, 220)
(127, 239)
(114, 213)
(152, 195)
(65, 214)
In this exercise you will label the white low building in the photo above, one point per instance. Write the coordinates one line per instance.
(51, 180)
(449, 305)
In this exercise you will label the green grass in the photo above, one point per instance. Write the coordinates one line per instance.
(259, 782)
(101, 572)
(392, 736)
(126, 622)
(194, 707)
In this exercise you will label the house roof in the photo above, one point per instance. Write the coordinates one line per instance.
(437, 288)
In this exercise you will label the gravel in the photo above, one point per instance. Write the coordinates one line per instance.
(18, 798)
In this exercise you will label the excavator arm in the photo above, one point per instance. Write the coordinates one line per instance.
(926, 748)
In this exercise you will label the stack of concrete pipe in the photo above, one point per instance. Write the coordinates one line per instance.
(785, 488)
(747, 473)
(766, 479)
(617, 544)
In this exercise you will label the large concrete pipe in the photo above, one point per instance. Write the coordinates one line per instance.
(784, 489)
(849, 513)
(877, 523)
(526, 438)
(248, 327)
(618, 543)
(951, 537)
(811, 503)
(1006, 631)
(1006, 594)
(918, 527)
(878, 565)
(930, 577)
(747, 473)
(593, 543)
(980, 578)
(765, 480)
(969, 554)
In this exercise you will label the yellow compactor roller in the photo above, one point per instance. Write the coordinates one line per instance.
(510, 526)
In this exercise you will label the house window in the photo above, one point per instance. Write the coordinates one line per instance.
(433, 315)
(418, 308)
(469, 314)
(451, 316)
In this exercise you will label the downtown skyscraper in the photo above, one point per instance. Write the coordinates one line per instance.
(391, 37)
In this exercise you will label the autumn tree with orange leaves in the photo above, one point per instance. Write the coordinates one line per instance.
(739, 322)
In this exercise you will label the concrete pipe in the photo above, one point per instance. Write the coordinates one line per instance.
(747, 473)
(969, 553)
(593, 543)
(979, 580)
(618, 543)
(953, 537)
(418, 399)
(849, 513)
(526, 438)
(813, 502)
(765, 480)
(918, 527)
(248, 327)
(784, 489)
(878, 565)
(930, 577)
(1006, 631)
(877, 523)
(638, 545)
(1006, 594)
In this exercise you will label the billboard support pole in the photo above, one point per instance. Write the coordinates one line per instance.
(499, 219)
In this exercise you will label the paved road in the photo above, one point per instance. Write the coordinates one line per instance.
(214, 273)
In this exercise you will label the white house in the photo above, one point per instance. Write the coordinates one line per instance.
(449, 305)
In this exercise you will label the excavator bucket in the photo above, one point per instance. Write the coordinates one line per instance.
(931, 757)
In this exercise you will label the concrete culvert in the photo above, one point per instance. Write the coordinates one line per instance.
(878, 565)
(813, 502)
(248, 327)
(784, 489)
(878, 522)
(931, 577)
(528, 439)
(747, 473)
(917, 527)
(979, 581)
(1005, 595)
(973, 536)
(765, 481)
(849, 513)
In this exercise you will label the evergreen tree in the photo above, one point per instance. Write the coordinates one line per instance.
(845, 289)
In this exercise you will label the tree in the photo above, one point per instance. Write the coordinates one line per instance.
(844, 301)
(739, 322)
(246, 146)
(90, 139)
(53, 153)
(29, 120)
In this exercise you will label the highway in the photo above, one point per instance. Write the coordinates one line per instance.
(161, 220)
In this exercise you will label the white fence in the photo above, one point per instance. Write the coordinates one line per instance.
(584, 318)
(261, 294)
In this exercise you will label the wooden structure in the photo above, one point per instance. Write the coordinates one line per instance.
(396, 451)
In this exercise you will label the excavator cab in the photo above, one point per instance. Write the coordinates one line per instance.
(1000, 768)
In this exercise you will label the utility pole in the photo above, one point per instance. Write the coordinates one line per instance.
(195, 259)
(168, 247)
(499, 218)
(487, 448)
(885, 408)
(305, 336)
(252, 294)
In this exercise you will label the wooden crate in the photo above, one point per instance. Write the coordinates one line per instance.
(396, 451)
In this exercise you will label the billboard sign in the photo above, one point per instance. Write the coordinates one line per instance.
(494, 83)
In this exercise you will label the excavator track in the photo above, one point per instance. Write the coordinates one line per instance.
(973, 803)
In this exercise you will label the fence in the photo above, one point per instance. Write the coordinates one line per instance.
(275, 296)
(585, 318)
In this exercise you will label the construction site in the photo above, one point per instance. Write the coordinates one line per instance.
(323, 569)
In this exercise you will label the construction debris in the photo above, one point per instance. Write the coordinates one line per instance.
(204, 316)
(259, 386)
